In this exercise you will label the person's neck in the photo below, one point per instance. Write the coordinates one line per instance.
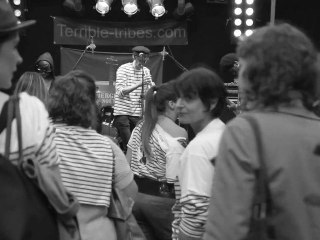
(168, 116)
(137, 65)
(200, 125)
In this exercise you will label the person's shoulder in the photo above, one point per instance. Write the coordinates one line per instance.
(31, 102)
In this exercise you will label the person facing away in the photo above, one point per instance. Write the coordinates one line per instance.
(130, 79)
(32, 83)
(88, 159)
(37, 141)
(202, 97)
(45, 66)
(152, 152)
(278, 81)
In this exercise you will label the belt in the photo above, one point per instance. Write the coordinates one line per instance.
(155, 188)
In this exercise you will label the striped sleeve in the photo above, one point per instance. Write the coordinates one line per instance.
(194, 210)
(47, 151)
(120, 83)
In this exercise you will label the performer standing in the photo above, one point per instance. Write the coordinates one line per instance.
(133, 80)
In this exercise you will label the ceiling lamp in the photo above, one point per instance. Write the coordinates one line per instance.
(130, 7)
(103, 6)
(156, 8)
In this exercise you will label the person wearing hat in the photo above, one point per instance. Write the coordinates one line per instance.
(37, 136)
(133, 80)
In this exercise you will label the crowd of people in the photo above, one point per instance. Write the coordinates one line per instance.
(259, 168)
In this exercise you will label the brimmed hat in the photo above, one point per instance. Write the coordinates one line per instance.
(8, 21)
(140, 49)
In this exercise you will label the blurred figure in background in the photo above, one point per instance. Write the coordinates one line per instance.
(45, 66)
(88, 159)
(278, 82)
(153, 152)
(32, 83)
(202, 97)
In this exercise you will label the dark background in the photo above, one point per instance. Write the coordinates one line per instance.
(208, 29)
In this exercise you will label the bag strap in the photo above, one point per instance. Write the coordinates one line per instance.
(260, 199)
(13, 111)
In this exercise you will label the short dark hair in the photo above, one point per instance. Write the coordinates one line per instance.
(203, 83)
(72, 100)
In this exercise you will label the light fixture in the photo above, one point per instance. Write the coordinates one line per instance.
(183, 9)
(157, 8)
(19, 8)
(130, 7)
(243, 19)
(73, 5)
(103, 6)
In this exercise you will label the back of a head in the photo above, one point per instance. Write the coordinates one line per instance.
(72, 100)
(33, 84)
(205, 84)
(279, 59)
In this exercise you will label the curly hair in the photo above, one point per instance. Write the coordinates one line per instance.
(280, 59)
(72, 100)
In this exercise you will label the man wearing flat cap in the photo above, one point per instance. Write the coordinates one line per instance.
(133, 80)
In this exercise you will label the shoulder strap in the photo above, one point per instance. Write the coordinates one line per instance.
(260, 199)
(13, 111)
(4, 116)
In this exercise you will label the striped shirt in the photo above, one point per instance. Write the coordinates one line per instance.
(37, 133)
(86, 163)
(195, 178)
(127, 76)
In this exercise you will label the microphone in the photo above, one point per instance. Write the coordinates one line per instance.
(91, 46)
(164, 53)
(141, 54)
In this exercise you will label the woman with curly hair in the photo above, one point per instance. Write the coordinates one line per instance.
(273, 146)
(88, 159)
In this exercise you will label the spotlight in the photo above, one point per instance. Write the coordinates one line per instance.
(103, 6)
(130, 7)
(156, 8)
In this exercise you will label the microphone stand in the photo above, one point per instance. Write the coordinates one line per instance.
(177, 63)
(81, 56)
(142, 93)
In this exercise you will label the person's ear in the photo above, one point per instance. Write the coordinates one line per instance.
(172, 104)
(213, 104)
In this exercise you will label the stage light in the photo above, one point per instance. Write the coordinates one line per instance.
(19, 8)
(237, 33)
(237, 22)
(248, 32)
(103, 6)
(157, 8)
(249, 11)
(243, 19)
(130, 7)
(249, 22)
(237, 11)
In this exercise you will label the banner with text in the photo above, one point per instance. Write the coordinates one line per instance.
(77, 32)
(103, 67)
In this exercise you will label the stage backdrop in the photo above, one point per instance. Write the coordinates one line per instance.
(77, 32)
(103, 66)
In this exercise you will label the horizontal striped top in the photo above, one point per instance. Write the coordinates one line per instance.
(127, 75)
(195, 178)
(38, 145)
(86, 163)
